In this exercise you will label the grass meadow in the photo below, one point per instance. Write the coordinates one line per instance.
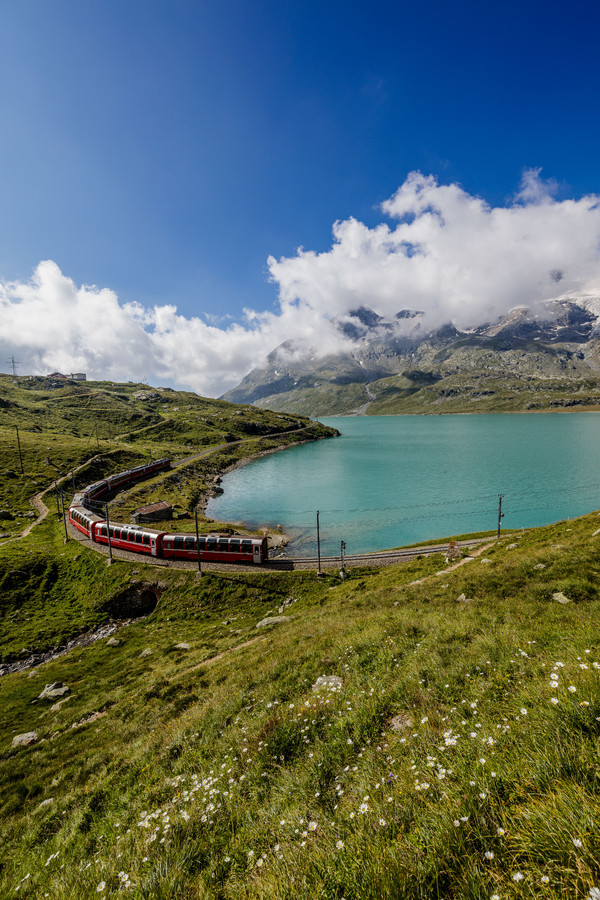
(452, 752)
(455, 755)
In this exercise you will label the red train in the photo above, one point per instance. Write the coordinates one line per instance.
(213, 547)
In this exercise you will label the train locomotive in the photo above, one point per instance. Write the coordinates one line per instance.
(210, 547)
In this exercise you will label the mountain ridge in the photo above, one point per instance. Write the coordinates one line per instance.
(531, 358)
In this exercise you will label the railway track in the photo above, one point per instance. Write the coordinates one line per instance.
(281, 564)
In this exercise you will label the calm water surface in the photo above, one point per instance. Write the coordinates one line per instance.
(394, 480)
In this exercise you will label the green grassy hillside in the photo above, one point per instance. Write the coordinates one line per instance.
(453, 754)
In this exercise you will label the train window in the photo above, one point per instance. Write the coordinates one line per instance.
(224, 546)
(146, 539)
(246, 546)
(138, 538)
(190, 543)
(178, 543)
(202, 543)
(211, 544)
(234, 546)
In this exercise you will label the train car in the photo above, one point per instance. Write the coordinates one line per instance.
(216, 548)
(97, 490)
(83, 520)
(123, 478)
(129, 537)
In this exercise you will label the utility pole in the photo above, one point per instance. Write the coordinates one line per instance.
(110, 559)
(500, 513)
(343, 567)
(318, 546)
(14, 363)
(198, 545)
(19, 446)
(62, 503)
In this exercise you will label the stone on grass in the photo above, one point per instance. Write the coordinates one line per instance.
(512, 546)
(540, 566)
(462, 598)
(47, 802)
(113, 642)
(596, 532)
(560, 597)
(400, 722)
(183, 646)
(327, 683)
(54, 691)
(56, 706)
(146, 652)
(273, 620)
(23, 740)
(486, 560)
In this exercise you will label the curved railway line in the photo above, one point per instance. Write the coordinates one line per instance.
(284, 564)
(277, 564)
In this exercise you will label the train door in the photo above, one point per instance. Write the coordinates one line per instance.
(256, 551)
(152, 545)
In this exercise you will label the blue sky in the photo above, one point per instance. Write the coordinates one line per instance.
(165, 150)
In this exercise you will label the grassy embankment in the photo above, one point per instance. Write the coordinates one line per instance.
(458, 758)
(459, 753)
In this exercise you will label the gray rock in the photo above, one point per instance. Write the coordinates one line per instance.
(113, 642)
(485, 560)
(596, 532)
(54, 691)
(273, 620)
(47, 802)
(400, 722)
(512, 546)
(56, 706)
(146, 395)
(146, 652)
(540, 566)
(183, 646)
(462, 598)
(23, 740)
(327, 683)
(560, 597)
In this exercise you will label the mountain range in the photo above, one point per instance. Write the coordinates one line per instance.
(543, 357)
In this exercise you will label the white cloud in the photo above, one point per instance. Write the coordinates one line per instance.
(449, 254)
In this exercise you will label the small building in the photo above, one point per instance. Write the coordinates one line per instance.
(78, 376)
(154, 512)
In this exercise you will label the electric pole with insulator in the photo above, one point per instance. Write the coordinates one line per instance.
(19, 446)
(343, 567)
(198, 545)
(318, 546)
(110, 558)
(500, 513)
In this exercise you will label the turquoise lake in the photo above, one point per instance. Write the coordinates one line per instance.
(395, 480)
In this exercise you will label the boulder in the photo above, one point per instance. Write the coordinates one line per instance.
(183, 646)
(54, 691)
(113, 642)
(146, 652)
(540, 566)
(560, 597)
(57, 706)
(273, 620)
(400, 722)
(23, 740)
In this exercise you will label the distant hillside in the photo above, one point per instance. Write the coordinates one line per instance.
(527, 360)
